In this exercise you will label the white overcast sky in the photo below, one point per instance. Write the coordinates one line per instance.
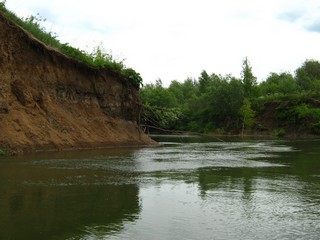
(176, 39)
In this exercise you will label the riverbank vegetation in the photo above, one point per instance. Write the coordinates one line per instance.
(98, 58)
(3, 152)
(283, 104)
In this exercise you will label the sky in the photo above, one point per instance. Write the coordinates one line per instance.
(178, 39)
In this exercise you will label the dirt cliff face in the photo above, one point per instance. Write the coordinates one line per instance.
(51, 102)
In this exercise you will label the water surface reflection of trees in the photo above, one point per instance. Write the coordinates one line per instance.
(41, 202)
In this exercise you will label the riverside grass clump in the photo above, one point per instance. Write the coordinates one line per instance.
(99, 58)
(3, 152)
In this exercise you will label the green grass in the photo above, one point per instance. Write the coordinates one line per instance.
(97, 59)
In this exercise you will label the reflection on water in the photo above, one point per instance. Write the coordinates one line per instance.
(40, 199)
(190, 188)
(57, 212)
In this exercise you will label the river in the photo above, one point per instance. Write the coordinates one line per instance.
(188, 188)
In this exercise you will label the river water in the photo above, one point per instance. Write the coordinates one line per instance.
(189, 188)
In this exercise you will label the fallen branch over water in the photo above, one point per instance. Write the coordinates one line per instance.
(179, 132)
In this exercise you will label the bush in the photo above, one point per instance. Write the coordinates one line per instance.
(134, 77)
(3, 152)
(162, 117)
(299, 113)
(315, 128)
(220, 131)
(279, 132)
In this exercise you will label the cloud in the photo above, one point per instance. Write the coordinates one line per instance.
(303, 14)
(314, 27)
(308, 22)
(292, 16)
(177, 39)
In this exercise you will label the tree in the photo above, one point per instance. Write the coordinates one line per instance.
(279, 83)
(308, 75)
(204, 81)
(248, 80)
(225, 100)
(156, 95)
(247, 115)
(175, 88)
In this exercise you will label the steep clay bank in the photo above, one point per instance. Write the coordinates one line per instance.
(51, 102)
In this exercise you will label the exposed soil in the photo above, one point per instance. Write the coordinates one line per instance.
(51, 102)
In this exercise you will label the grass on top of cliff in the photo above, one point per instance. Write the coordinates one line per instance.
(99, 58)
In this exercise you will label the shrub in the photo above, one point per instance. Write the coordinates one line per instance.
(220, 131)
(3, 152)
(315, 128)
(279, 132)
(133, 77)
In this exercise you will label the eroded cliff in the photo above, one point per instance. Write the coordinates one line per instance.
(51, 102)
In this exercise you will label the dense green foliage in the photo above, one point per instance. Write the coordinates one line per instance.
(213, 102)
(300, 114)
(248, 80)
(247, 114)
(99, 58)
(308, 76)
(221, 104)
